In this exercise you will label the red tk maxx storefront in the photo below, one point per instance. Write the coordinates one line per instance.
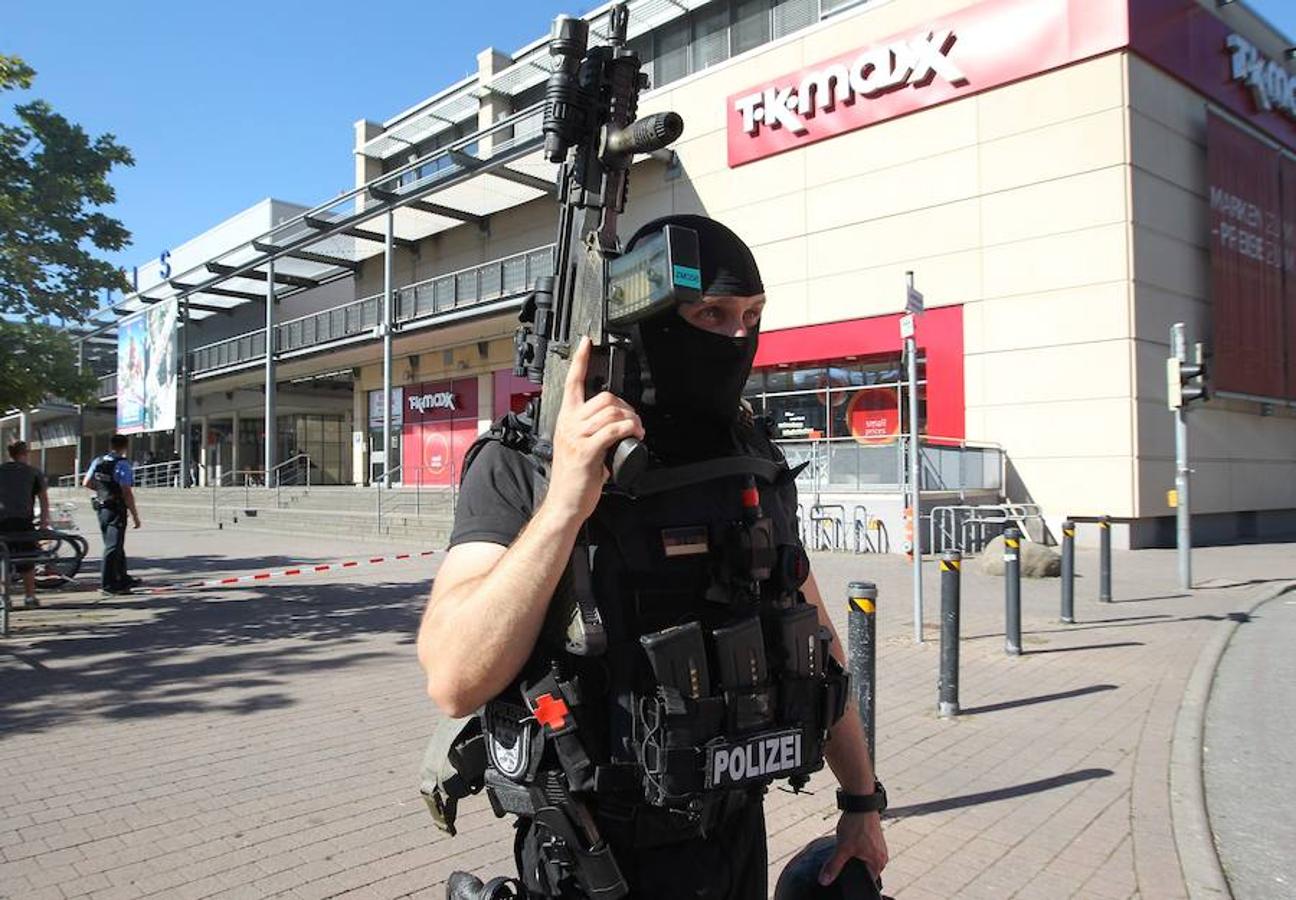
(440, 426)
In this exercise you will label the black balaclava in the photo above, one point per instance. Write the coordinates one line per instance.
(696, 377)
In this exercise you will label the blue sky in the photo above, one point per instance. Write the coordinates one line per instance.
(224, 103)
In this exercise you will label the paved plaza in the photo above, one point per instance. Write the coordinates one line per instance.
(264, 740)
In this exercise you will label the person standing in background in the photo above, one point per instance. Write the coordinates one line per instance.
(20, 485)
(113, 481)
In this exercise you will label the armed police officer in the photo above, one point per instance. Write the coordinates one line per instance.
(639, 768)
(112, 480)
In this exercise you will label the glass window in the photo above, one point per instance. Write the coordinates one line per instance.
(829, 6)
(798, 415)
(793, 15)
(751, 24)
(710, 36)
(672, 60)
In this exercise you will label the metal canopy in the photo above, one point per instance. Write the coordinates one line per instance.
(492, 170)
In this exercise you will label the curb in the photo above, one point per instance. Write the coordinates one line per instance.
(1195, 842)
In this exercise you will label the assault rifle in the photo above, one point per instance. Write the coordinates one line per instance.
(591, 130)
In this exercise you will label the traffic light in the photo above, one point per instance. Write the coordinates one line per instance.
(1186, 382)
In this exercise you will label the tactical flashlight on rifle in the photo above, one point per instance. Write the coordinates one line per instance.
(590, 129)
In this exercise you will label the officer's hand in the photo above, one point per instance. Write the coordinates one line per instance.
(858, 835)
(583, 434)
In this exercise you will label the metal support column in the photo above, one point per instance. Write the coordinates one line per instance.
(861, 655)
(1183, 512)
(1012, 592)
(1068, 572)
(77, 464)
(915, 487)
(271, 429)
(387, 349)
(183, 443)
(951, 589)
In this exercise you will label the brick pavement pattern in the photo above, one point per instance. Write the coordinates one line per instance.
(265, 741)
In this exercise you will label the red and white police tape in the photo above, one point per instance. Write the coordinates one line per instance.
(293, 572)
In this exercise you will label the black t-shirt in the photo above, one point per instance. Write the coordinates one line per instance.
(20, 484)
(497, 497)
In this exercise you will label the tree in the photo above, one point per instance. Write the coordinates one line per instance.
(53, 184)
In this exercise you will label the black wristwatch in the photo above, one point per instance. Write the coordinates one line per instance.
(863, 803)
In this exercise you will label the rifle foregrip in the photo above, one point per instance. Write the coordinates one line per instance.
(627, 461)
(647, 134)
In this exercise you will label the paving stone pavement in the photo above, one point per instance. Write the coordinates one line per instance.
(265, 741)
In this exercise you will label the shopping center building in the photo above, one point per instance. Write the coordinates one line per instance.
(1065, 179)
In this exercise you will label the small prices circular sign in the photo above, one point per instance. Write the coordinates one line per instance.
(874, 416)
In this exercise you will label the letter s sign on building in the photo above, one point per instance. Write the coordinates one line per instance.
(968, 51)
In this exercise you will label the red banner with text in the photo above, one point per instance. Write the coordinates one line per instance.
(1249, 340)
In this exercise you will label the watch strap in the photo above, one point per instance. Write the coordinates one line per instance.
(863, 803)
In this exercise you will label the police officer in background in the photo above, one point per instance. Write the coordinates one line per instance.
(113, 481)
(483, 630)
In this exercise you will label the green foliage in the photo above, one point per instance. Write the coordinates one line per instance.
(40, 362)
(53, 184)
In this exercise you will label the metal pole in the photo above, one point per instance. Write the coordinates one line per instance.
(1012, 592)
(271, 420)
(861, 661)
(77, 462)
(950, 567)
(1183, 511)
(1068, 572)
(915, 488)
(387, 350)
(1104, 560)
(182, 436)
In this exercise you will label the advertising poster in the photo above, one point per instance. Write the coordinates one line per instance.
(874, 416)
(146, 370)
(1289, 268)
(1246, 253)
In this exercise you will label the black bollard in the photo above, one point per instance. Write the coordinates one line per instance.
(1068, 572)
(1012, 592)
(1104, 560)
(862, 653)
(951, 565)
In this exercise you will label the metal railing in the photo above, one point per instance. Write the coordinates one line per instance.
(108, 385)
(412, 493)
(475, 285)
(229, 352)
(163, 474)
(846, 465)
(68, 481)
(969, 528)
(292, 472)
(230, 486)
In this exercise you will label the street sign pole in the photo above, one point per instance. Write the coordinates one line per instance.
(1183, 512)
(913, 307)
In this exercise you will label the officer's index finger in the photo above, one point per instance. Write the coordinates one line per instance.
(574, 387)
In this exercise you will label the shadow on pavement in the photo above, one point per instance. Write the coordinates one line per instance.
(198, 652)
(1150, 599)
(1112, 645)
(1123, 622)
(1007, 793)
(1042, 698)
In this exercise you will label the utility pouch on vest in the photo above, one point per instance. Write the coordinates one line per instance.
(552, 704)
(674, 724)
(454, 766)
(744, 675)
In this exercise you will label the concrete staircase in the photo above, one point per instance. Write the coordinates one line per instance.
(408, 516)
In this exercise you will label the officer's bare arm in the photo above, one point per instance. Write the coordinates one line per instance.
(488, 603)
(847, 751)
(128, 497)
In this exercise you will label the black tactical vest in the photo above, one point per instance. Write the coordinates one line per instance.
(108, 493)
(716, 675)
